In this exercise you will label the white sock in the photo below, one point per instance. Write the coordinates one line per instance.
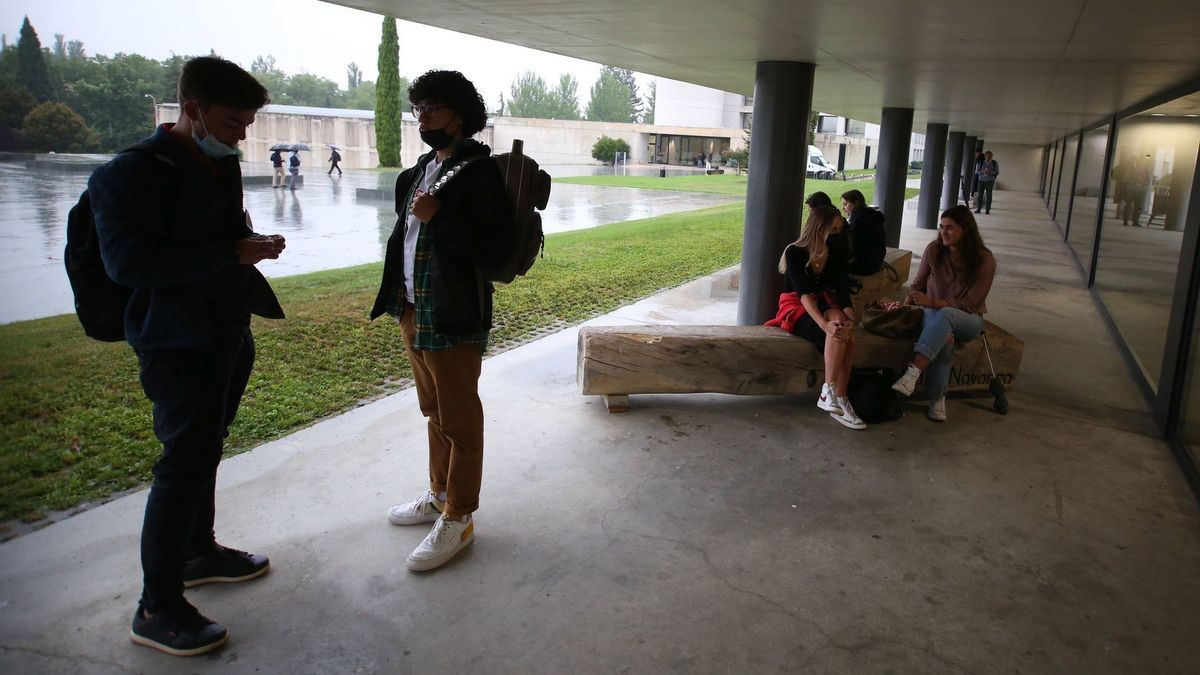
(442, 496)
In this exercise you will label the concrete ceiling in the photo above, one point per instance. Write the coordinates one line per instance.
(1018, 71)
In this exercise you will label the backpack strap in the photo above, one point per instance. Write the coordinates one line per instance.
(170, 187)
(450, 173)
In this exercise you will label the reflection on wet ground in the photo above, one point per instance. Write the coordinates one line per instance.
(326, 225)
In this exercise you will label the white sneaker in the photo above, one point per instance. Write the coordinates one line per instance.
(828, 400)
(908, 381)
(447, 538)
(423, 509)
(937, 410)
(847, 416)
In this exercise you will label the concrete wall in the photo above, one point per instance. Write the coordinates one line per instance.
(856, 149)
(1020, 166)
(690, 105)
(547, 141)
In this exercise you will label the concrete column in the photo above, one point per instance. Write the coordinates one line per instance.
(953, 175)
(775, 192)
(895, 134)
(968, 169)
(931, 176)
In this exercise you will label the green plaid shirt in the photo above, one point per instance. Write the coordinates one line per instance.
(427, 338)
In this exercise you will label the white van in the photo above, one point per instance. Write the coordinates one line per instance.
(818, 166)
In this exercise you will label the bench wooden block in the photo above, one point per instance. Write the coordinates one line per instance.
(616, 361)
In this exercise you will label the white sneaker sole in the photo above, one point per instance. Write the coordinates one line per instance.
(192, 583)
(426, 564)
(858, 426)
(903, 390)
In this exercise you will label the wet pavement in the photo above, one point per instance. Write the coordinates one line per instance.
(326, 224)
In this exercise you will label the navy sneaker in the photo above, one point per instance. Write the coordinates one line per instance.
(178, 630)
(224, 566)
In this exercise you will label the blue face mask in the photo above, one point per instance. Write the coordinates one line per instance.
(209, 145)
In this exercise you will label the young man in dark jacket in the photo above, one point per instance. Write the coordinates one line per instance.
(866, 233)
(172, 228)
(455, 218)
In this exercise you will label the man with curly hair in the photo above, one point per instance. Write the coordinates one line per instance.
(454, 218)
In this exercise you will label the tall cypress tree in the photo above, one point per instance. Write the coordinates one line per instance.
(31, 64)
(387, 97)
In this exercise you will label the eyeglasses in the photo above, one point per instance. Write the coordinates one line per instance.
(418, 110)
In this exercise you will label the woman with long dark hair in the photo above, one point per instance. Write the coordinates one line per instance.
(816, 304)
(951, 286)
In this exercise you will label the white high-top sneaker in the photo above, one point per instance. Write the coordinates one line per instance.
(828, 400)
(908, 381)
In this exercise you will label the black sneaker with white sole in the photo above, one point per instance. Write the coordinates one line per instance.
(178, 630)
(224, 566)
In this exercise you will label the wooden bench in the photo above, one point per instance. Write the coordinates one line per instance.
(616, 361)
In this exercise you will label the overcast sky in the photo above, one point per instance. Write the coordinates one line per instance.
(303, 36)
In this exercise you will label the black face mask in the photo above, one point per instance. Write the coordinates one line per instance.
(436, 138)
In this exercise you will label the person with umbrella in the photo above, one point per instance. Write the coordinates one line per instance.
(294, 167)
(277, 162)
(334, 158)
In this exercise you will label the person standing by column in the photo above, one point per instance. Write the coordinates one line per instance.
(190, 265)
(434, 287)
(989, 169)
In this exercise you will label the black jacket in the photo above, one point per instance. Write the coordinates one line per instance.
(801, 279)
(870, 242)
(471, 228)
(188, 288)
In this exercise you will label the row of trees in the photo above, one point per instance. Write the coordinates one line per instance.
(82, 103)
(614, 98)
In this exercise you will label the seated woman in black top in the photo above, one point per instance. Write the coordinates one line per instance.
(815, 266)
(866, 232)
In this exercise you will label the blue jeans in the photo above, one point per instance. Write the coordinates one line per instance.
(196, 392)
(937, 326)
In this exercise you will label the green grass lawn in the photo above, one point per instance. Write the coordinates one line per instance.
(75, 426)
(726, 184)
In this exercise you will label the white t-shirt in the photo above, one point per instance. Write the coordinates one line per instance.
(414, 230)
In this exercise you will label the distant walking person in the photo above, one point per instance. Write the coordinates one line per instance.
(970, 179)
(989, 169)
(334, 158)
(277, 178)
(434, 287)
(172, 229)
(294, 168)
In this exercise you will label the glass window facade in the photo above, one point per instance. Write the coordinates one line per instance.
(1154, 164)
(1087, 196)
(1066, 175)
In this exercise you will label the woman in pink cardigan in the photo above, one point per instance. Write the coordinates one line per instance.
(951, 286)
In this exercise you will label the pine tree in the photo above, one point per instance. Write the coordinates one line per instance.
(565, 98)
(529, 97)
(387, 97)
(611, 101)
(32, 72)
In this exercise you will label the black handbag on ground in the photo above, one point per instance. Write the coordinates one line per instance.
(870, 392)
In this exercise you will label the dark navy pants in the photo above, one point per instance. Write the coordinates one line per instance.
(195, 392)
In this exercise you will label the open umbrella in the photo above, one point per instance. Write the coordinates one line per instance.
(281, 146)
(299, 146)
(335, 146)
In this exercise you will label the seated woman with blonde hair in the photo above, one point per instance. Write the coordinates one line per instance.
(816, 304)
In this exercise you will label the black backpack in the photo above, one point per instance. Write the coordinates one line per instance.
(871, 394)
(528, 189)
(99, 301)
(294, 161)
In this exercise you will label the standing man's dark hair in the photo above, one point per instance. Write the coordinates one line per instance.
(172, 229)
(434, 287)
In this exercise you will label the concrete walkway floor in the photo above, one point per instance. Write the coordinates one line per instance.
(697, 533)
